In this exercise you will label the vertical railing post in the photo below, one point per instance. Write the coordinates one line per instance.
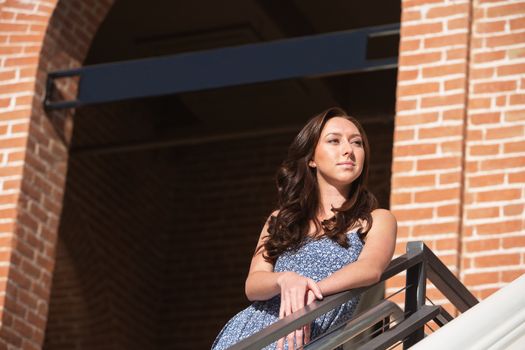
(416, 290)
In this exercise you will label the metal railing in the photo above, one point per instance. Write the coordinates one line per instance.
(342, 334)
(420, 263)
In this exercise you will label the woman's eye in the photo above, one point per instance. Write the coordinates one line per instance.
(358, 143)
(334, 141)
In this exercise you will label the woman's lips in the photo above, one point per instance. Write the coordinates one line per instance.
(346, 163)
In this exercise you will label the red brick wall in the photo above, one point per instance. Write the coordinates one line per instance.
(459, 138)
(108, 270)
(33, 155)
(493, 235)
(429, 127)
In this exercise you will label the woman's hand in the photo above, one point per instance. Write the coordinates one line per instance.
(296, 292)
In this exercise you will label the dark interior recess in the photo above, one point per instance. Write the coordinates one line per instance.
(166, 196)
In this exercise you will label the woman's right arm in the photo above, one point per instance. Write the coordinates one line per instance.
(262, 282)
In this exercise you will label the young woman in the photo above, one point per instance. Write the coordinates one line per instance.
(326, 236)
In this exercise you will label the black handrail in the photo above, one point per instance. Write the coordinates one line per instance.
(415, 321)
(345, 332)
(447, 283)
(317, 308)
(418, 262)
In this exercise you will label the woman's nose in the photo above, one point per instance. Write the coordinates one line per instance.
(348, 149)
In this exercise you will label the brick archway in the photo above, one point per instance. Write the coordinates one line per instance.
(37, 37)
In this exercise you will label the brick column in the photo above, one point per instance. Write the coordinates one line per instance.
(493, 231)
(35, 37)
(429, 127)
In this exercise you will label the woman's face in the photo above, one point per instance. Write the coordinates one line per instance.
(339, 154)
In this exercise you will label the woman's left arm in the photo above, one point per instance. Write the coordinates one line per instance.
(375, 257)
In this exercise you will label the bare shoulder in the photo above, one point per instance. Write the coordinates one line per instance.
(384, 226)
(383, 216)
(380, 241)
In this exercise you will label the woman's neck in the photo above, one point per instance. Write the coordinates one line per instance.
(330, 197)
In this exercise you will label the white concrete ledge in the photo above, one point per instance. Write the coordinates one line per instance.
(498, 322)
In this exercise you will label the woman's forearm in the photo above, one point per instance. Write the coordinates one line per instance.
(355, 275)
(373, 260)
(262, 285)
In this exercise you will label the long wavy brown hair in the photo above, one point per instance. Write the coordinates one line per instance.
(298, 195)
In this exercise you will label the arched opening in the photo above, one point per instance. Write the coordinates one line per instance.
(165, 196)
